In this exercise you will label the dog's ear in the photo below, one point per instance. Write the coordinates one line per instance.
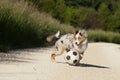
(75, 32)
(84, 33)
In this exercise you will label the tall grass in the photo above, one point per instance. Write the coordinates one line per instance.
(103, 36)
(22, 25)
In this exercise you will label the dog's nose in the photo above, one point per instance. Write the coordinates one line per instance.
(76, 43)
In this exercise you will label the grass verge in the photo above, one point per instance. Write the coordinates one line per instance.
(103, 36)
(23, 26)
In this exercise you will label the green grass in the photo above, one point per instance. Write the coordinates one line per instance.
(103, 36)
(22, 25)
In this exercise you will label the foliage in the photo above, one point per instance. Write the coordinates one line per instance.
(89, 14)
(103, 36)
(24, 26)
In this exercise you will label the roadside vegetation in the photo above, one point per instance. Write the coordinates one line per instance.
(103, 36)
(87, 14)
(24, 24)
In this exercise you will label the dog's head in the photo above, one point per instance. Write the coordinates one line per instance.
(80, 36)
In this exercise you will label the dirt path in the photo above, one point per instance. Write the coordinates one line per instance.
(101, 62)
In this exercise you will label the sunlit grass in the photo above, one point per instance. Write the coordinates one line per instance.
(22, 25)
(103, 36)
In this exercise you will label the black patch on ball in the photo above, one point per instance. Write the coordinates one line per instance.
(68, 57)
(74, 53)
(74, 61)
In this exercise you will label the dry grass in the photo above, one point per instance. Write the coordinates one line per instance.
(103, 36)
(22, 25)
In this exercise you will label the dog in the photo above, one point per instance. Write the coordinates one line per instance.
(78, 40)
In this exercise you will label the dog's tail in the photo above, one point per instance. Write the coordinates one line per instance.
(54, 37)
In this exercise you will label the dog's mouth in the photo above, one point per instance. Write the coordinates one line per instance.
(81, 39)
(78, 44)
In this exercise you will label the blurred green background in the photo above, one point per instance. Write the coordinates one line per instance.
(27, 23)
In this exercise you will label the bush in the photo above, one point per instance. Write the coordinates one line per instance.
(103, 36)
(24, 26)
(88, 14)
(85, 18)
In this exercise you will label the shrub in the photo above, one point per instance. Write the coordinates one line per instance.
(89, 14)
(103, 36)
(24, 26)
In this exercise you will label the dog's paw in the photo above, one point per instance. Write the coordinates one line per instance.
(53, 57)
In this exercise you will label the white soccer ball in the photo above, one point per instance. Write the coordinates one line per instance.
(72, 57)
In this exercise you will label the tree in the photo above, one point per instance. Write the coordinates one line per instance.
(59, 10)
(104, 14)
(114, 21)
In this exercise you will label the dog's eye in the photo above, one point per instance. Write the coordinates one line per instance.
(80, 34)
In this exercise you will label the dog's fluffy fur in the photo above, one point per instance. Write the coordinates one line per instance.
(78, 41)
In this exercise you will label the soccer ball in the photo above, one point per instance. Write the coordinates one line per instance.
(72, 56)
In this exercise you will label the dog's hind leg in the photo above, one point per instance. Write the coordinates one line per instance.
(60, 53)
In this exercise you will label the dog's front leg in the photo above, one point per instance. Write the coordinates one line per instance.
(81, 55)
(53, 56)
(60, 53)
